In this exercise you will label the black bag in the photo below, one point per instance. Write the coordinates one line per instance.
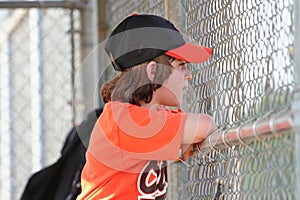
(61, 180)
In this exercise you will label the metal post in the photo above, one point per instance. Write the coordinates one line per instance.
(296, 99)
(177, 177)
(72, 40)
(89, 58)
(36, 89)
(6, 180)
(6, 129)
(106, 72)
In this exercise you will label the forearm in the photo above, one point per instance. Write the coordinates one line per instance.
(197, 128)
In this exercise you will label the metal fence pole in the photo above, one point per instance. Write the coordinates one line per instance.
(174, 11)
(296, 101)
(36, 89)
(89, 69)
(5, 125)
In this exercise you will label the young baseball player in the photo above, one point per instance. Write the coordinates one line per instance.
(136, 134)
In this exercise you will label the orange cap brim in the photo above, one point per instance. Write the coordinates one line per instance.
(190, 53)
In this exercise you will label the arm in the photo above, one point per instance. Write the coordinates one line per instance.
(197, 128)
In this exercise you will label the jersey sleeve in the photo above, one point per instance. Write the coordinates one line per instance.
(143, 133)
(152, 135)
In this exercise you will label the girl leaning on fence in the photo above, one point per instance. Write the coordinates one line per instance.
(136, 134)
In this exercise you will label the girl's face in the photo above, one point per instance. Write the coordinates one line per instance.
(171, 93)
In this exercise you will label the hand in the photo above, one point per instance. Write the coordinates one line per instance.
(188, 151)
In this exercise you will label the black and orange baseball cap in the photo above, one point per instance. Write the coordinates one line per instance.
(141, 38)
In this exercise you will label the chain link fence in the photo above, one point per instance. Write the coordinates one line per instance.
(119, 9)
(250, 79)
(247, 86)
(37, 55)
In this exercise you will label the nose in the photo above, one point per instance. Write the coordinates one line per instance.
(188, 75)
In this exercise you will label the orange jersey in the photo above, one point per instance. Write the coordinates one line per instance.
(126, 153)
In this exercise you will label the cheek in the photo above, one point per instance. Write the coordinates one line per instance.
(174, 79)
(172, 94)
(175, 84)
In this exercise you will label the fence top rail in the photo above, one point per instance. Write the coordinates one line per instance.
(259, 130)
(42, 4)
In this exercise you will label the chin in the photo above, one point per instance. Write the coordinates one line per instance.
(174, 103)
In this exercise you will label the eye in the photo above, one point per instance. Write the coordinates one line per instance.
(183, 66)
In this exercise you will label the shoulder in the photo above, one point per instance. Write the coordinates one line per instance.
(125, 112)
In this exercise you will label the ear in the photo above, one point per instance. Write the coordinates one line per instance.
(151, 69)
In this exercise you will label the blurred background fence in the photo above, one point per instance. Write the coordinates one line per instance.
(249, 86)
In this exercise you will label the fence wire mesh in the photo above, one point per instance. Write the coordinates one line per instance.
(251, 71)
(122, 8)
(250, 77)
(240, 173)
(36, 91)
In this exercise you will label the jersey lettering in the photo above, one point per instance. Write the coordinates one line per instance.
(152, 181)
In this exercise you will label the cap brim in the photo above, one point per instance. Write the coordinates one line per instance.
(190, 53)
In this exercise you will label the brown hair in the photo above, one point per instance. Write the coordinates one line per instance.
(133, 84)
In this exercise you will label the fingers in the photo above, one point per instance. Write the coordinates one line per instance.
(188, 153)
